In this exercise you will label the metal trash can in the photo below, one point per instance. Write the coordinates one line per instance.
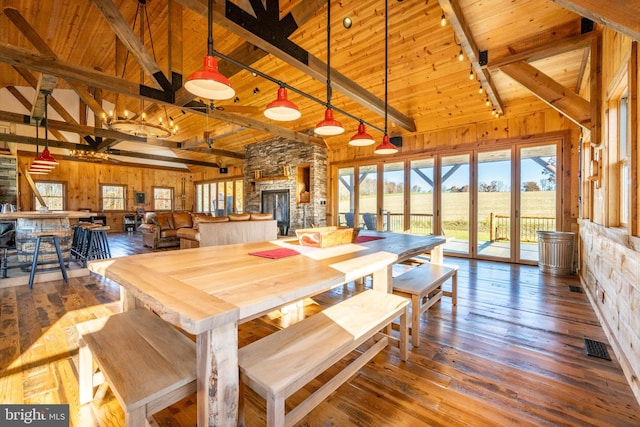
(555, 252)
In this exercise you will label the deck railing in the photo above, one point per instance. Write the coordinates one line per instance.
(500, 226)
(418, 223)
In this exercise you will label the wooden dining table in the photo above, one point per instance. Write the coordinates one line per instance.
(208, 291)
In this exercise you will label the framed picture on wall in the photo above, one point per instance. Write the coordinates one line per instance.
(140, 198)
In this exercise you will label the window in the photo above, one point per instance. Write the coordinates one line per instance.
(113, 197)
(220, 198)
(53, 194)
(624, 159)
(163, 198)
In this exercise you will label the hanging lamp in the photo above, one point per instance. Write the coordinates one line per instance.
(208, 82)
(282, 109)
(362, 138)
(46, 158)
(35, 168)
(329, 126)
(386, 147)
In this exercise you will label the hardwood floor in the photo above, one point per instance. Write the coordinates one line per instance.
(511, 353)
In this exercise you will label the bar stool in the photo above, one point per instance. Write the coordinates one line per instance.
(97, 243)
(34, 264)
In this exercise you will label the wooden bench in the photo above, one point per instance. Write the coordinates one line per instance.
(148, 364)
(423, 284)
(282, 363)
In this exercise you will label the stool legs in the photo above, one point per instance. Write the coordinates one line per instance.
(34, 263)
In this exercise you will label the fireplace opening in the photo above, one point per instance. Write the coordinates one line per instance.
(276, 202)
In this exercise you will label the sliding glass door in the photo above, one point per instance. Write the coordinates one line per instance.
(455, 196)
(493, 214)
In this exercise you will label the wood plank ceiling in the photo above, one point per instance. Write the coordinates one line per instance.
(71, 45)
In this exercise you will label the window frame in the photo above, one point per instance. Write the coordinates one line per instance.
(63, 197)
(171, 199)
(202, 188)
(103, 186)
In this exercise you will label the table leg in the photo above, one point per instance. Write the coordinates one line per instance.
(437, 256)
(382, 279)
(217, 376)
(128, 301)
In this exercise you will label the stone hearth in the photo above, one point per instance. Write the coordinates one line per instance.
(270, 158)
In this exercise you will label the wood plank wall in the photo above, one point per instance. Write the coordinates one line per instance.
(83, 180)
(609, 255)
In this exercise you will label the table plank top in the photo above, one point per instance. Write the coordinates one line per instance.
(196, 289)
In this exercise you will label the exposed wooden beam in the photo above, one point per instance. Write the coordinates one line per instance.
(45, 85)
(567, 102)
(25, 102)
(314, 67)
(217, 152)
(33, 81)
(538, 51)
(129, 38)
(454, 15)
(70, 127)
(46, 82)
(42, 47)
(220, 133)
(27, 140)
(23, 58)
(619, 15)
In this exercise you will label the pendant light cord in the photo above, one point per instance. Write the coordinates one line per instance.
(210, 36)
(329, 54)
(386, 61)
(46, 120)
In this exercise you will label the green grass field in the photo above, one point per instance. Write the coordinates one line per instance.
(456, 208)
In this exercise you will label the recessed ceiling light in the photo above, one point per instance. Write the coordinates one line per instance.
(347, 22)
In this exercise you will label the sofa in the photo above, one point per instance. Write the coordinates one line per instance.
(230, 229)
(159, 229)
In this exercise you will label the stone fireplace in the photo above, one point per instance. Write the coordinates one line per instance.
(304, 186)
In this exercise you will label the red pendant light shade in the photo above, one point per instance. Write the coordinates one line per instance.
(282, 109)
(45, 159)
(386, 147)
(361, 138)
(209, 83)
(329, 126)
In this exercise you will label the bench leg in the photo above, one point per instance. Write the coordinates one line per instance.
(136, 418)
(415, 320)
(454, 288)
(85, 373)
(404, 335)
(275, 410)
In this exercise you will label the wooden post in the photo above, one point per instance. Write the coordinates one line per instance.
(492, 233)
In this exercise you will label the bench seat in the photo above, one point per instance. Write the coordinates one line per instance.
(423, 284)
(282, 363)
(147, 363)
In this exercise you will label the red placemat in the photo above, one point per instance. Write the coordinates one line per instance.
(275, 253)
(362, 239)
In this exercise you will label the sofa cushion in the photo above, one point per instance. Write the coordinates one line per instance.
(261, 216)
(182, 220)
(199, 220)
(165, 220)
(172, 232)
(239, 217)
(188, 233)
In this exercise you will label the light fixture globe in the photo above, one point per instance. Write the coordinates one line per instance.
(362, 138)
(329, 126)
(282, 109)
(209, 83)
(386, 147)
